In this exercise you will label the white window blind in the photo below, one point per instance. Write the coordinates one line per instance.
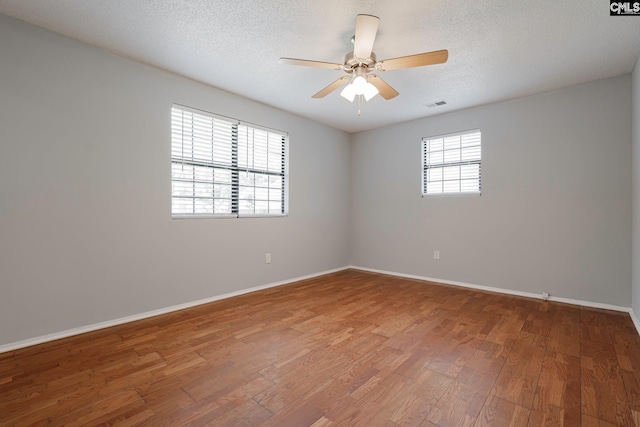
(452, 163)
(223, 167)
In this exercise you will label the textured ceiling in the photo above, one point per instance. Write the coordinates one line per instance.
(497, 49)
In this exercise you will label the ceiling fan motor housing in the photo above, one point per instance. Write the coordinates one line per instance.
(351, 62)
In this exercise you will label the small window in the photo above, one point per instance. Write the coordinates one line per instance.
(451, 163)
(221, 167)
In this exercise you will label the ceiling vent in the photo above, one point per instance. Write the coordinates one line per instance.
(437, 104)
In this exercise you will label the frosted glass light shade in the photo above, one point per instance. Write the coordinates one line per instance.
(370, 91)
(348, 93)
(359, 84)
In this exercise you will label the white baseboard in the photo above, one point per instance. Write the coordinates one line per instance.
(109, 323)
(635, 320)
(591, 304)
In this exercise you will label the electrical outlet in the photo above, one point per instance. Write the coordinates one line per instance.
(267, 258)
(436, 254)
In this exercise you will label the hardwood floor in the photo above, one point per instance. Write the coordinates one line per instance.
(350, 348)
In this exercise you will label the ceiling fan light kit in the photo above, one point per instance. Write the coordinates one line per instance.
(359, 64)
(359, 85)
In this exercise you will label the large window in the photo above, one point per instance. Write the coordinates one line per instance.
(451, 163)
(221, 167)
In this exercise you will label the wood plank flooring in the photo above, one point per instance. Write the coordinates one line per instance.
(346, 349)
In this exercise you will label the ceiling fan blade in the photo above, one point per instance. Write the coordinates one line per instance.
(307, 63)
(386, 91)
(333, 86)
(418, 60)
(366, 29)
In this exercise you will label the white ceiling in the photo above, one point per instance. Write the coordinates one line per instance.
(497, 49)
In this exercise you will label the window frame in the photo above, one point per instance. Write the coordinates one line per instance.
(424, 167)
(234, 167)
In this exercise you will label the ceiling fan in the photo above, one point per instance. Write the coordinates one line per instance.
(359, 63)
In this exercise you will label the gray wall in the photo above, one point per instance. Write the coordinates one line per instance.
(555, 210)
(636, 189)
(85, 228)
(86, 233)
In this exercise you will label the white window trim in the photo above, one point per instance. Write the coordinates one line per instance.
(235, 199)
(423, 166)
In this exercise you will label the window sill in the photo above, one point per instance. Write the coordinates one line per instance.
(470, 193)
(227, 216)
